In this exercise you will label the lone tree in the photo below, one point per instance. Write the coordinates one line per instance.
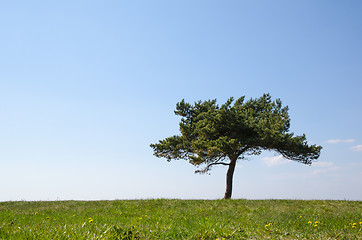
(213, 135)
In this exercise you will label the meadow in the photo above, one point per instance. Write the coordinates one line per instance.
(181, 219)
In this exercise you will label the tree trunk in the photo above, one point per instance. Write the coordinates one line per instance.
(229, 178)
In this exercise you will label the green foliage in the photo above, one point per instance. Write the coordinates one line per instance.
(182, 219)
(211, 134)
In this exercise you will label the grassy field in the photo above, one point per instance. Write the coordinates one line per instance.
(181, 219)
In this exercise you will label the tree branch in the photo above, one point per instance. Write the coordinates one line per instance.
(216, 163)
(240, 152)
(207, 168)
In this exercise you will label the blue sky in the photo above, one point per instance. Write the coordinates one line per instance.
(86, 86)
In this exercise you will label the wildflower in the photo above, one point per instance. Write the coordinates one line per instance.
(300, 216)
(90, 220)
(309, 222)
(268, 225)
(47, 217)
(316, 222)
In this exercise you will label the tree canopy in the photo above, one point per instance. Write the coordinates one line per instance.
(220, 135)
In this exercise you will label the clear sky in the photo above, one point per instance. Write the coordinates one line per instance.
(86, 86)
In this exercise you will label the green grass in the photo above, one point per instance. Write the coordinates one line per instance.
(181, 219)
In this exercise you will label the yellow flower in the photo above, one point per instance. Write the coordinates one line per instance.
(316, 222)
(360, 222)
(268, 225)
(300, 216)
(309, 222)
(90, 220)
(315, 225)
